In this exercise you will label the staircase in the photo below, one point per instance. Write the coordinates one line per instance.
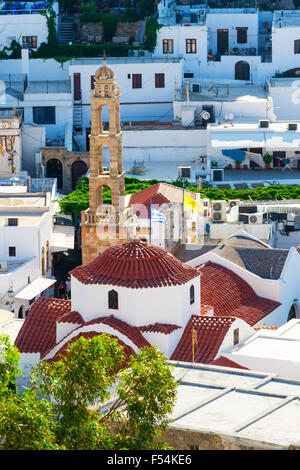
(66, 30)
(77, 115)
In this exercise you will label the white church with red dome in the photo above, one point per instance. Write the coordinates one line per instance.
(142, 295)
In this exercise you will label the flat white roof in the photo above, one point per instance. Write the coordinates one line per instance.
(256, 408)
(35, 288)
(9, 324)
(62, 238)
(238, 140)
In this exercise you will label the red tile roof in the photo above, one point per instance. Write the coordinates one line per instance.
(128, 351)
(224, 362)
(210, 332)
(167, 192)
(135, 264)
(232, 296)
(38, 332)
(71, 317)
(165, 328)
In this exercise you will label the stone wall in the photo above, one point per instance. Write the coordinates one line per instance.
(183, 439)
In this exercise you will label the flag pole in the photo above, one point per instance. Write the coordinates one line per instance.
(150, 220)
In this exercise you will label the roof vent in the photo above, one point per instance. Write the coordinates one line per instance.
(292, 126)
(264, 123)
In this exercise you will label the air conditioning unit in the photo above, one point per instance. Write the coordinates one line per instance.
(141, 53)
(251, 219)
(184, 171)
(205, 206)
(233, 202)
(196, 87)
(264, 123)
(292, 126)
(247, 209)
(217, 174)
(226, 117)
(131, 53)
(3, 266)
(230, 117)
(218, 211)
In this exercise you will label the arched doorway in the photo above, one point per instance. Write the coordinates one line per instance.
(242, 70)
(21, 312)
(79, 168)
(54, 170)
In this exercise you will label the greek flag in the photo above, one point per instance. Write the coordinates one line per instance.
(157, 216)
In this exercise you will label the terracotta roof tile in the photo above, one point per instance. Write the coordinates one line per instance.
(167, 192)
(136, 265)
(229, 295)
(128, 351)
(71, 317)
(164, 328)
(210, 332)
(224, 362)
(38, 332)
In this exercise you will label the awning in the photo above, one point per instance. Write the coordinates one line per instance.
(35, 288)
(237, 140)
(235, 154)
(256, 158)
(285, 141)
(62, 238)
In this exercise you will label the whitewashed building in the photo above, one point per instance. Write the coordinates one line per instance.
(23, 23)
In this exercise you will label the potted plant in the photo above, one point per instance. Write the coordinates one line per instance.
(245, 167)
(229, 166)
(214, 164)
(238, 165)
(267, 159)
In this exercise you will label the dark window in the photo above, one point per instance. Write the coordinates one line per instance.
(12, 222)
(190, 46)
(128, 75)
(193, 448)
(77, 86)
(113, 301)
(297, 46)
(92, 82)
(241, 35)
(30, 41)
(12, 251)
(192, 295)
(168, 46)
(159, 80)
(236, 336)
(136, 80)
(44, 115)
(188, 75)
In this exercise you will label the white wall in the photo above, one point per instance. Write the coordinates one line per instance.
(17, 26)
(137, 307)
(230, 21)
(33, 138)
(283, 55)
(165, 343)
(164, 144)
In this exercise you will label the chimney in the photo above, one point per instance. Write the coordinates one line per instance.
(25, 61)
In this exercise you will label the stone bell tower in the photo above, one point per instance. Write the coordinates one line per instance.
(103, 227)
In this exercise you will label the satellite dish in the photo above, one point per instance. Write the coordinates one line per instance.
(204, 115)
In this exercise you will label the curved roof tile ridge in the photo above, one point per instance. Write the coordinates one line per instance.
(135, 264)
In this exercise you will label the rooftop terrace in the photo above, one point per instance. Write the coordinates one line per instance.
(286, 19)
(23, 8)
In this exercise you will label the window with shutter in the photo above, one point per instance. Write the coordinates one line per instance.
(77, 86)
(136, 80)
(241, 34)
(297, 46)
(159, 80)
(92, 82)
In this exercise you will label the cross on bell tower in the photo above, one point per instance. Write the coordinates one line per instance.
(105, 94)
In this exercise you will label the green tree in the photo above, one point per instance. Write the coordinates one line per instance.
(139, 393)
(9, 370)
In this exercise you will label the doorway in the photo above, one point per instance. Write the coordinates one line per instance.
(222, 38)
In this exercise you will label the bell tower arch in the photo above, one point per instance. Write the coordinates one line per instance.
(105, 93)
